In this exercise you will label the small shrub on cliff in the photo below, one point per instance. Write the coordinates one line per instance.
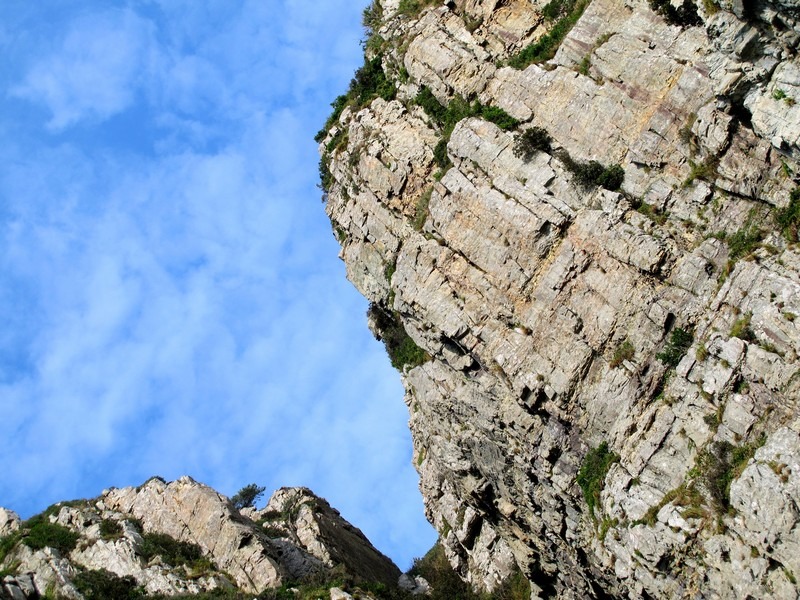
(496, 115)
(372, 18)
(445, 582)
(720, 464)
(172, 551)
(592, 474)
(679, 342)
(458, 108)
(531, 141)
(110, 529)
(402, 350)
(104, 585)
(592, 173)
(8, 543)
(44, 534)
(685, 15)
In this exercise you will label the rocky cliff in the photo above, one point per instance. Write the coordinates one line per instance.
(181, 538)
(577, 223)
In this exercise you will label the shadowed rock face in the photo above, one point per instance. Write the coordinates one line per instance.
(298, 535)
(544, 304)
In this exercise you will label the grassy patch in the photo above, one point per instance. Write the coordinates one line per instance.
(682, 496)
(567, 12)
(421, 210)
(741, 328)
(624, 351)
(651, 212)
(592, 474)
(412, 8)
(706, 170)
(787, 219)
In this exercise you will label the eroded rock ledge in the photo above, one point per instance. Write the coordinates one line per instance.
(652, 330)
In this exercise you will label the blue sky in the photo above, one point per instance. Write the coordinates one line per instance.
(170, 288)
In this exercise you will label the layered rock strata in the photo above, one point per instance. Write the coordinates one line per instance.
(650, 330)
(298, 535)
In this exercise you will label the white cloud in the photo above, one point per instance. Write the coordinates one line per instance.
(93, 72)
(186, 310)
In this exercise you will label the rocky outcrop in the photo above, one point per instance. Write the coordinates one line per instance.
(310, 523)
(613, 375)
(184, 538)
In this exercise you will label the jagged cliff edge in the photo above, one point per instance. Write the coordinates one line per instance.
(602, 383)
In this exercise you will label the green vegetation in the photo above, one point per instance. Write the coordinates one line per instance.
(369, 82)
(412, 8)
(592, 474)
(8, 543)
(447, 585)
(173, 552)
(110, 529)
(741, 328)
(720, 465)
(568, 12)
(446, 118)
(103, 585)
(651, 212)
(402, 350)
(458, 108)
(372, 18)
(530, 141)
(421, 210)
(706, 170)
(684, 495)
(787, 219)
(592, 174)
(247, 496)
(41, 533)
(679, 342)
(624, 351)
(685, 15)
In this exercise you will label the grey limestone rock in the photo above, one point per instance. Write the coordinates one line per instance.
(549, 308)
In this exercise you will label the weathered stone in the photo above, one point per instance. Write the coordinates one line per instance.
(548, 305)
(9, 522)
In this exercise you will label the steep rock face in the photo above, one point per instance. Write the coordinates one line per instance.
(310, 523)
(650, 331)
(223, 547)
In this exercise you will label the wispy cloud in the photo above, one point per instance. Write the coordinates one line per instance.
(92, 73)
(175, 305)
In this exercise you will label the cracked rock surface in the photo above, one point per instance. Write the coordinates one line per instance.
(549, 309)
